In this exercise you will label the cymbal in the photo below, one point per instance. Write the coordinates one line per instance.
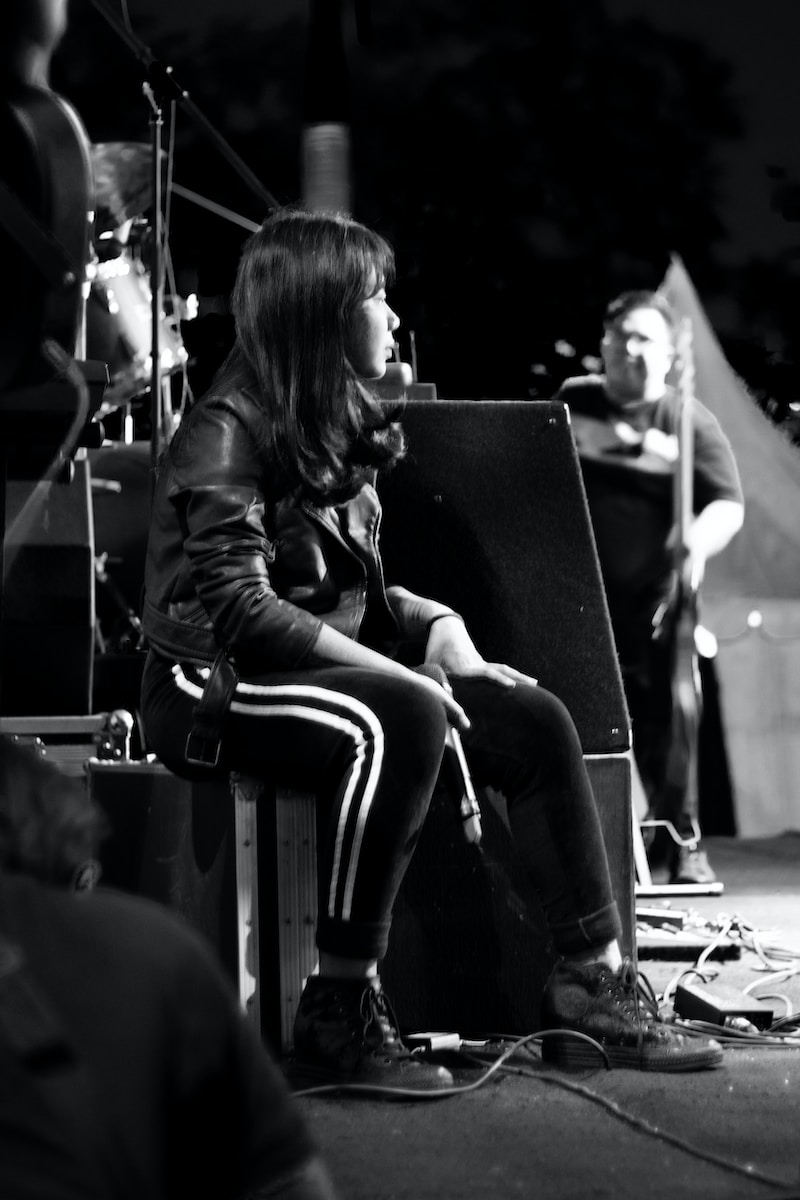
(123, 184)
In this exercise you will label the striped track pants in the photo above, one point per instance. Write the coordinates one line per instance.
(369, 745)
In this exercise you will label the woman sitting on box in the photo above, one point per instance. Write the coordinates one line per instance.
(272, 637)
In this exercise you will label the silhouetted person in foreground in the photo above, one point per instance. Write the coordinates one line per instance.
(126, 1066)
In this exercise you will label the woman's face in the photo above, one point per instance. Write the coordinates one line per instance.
(371, 339)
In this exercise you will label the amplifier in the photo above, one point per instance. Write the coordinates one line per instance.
(469, 948)
(47, 632)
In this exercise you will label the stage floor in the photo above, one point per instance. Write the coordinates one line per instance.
(725, 1134)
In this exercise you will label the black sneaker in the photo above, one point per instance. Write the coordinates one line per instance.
(691, 865)
(615, 1010)
(345, 1031)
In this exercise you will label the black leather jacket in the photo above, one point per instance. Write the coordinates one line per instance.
(230, 567)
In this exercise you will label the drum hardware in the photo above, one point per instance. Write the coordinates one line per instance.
(125, 319)
(123, 185)
(120, 491)
(120, 319)
(132, 636)
(219, 209)
(107, 485)
(162, 88)
(122, 308)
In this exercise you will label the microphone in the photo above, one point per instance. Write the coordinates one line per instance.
(456, 765)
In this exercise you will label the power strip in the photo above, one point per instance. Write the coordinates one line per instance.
(433, 1041)
(716, 1003)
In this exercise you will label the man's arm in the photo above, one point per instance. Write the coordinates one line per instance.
(711, 531)
(717, 492)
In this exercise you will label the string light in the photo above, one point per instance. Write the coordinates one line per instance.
(754, 624)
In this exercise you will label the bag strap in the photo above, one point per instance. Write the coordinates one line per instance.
(203, 742)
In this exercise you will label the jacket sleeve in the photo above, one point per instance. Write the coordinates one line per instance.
(218, 491)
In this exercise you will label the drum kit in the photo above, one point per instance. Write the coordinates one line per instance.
(119, 307)
(119, 332)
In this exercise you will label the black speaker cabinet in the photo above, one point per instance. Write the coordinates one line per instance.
(488, 513)
(469, 948)
(48, 601)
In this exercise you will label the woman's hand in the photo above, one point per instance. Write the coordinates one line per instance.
(455, 713)
(452, 648)
(335, 647)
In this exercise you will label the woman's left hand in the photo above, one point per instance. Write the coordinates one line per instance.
(450, 645)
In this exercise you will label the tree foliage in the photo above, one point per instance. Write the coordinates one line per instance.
(527, 161)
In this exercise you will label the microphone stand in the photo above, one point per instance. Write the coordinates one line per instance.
(158, 430)
(160, 85)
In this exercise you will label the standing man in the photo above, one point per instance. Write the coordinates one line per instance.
(625, 423)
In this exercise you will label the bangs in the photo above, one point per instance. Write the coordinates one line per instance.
(371, 260)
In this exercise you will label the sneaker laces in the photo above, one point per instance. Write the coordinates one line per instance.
(635, 995)
(380, 1025)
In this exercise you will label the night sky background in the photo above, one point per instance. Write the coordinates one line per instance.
(527, 161)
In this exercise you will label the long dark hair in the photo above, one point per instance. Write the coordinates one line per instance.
(300, 280)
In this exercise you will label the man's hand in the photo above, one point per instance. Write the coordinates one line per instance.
(652, 441)
(663, 445)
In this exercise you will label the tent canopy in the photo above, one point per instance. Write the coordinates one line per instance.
(763, 560)
(751, 592)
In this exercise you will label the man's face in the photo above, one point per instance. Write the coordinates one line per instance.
(637, 354)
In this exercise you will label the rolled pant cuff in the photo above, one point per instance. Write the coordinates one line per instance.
(588, 932)
(353, 939)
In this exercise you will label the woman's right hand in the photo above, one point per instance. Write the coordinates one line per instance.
(434, 677)
(335, 647)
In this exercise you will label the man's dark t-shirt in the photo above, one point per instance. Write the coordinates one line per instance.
(629, 492)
